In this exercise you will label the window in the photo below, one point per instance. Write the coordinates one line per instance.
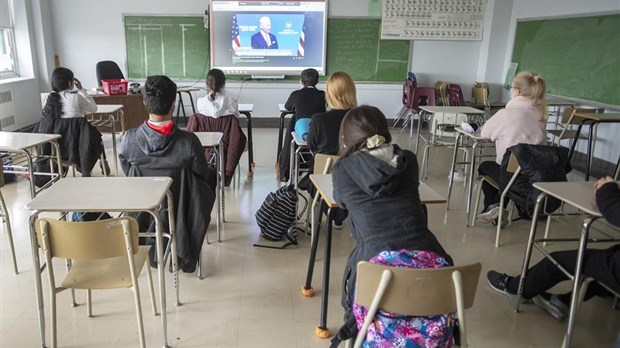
(8, 66)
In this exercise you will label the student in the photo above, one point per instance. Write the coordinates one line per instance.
(523, 121)
(305, 102)
(159, 148)
(600, 264)
(216, 103)
(65, 104)
(377, 182)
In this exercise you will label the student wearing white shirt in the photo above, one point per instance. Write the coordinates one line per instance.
(65, 103)
(215, 103)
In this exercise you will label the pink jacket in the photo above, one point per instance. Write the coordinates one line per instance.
(518, 123)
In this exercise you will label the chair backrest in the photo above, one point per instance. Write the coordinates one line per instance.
(87, 240)
(513, 163)
(417, 292)
(442, 96)
(321, 164)
(480, 93)
(108, 69)
(568, 116)
(456, 95)
(428, 92)
(408, 92)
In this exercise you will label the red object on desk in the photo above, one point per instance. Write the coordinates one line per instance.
(114, 87)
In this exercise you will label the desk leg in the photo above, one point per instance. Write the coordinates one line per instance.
(280, 136)
(36, 267)
(222, 191)
(574, 143)
(173, 245)
(113, 147)
(161, 270)
(191, 100)
(589, 151)
(574, 305)
(250, 145)
(291, 162)
(452, 168)
(472, 166)
(322, 331)
(617, 171)
(307, 289)
(528, 251)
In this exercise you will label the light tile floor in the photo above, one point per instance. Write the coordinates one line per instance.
(251, 297)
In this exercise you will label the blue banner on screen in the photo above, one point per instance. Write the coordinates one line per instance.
(268, 38)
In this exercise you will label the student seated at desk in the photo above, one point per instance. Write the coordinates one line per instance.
(377, 182)
(219, 113)
(63, 113)
(324, 133)
(159, 148)
(305, 102)
(523, 121)
(602, 265)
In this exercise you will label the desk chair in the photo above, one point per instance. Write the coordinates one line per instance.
(566, 130)
(416, 292)
(456, 95)
(106, 70)
(105, 255)
(419, 94)
(408, 91)
(441, 133)
(4, 215)
(442, 93)
(514, 168)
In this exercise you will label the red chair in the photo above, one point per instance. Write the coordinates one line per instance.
(456, 95)
(424, 95)
(408, 91)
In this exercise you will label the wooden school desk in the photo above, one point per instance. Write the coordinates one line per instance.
(283, 114)
(592, 119)
(111, 194)
(581, 196)
(181, 106)
(458, 143)
(246, 110)
(134, 110)
(323, 183)
(22, 144)
(105, 118)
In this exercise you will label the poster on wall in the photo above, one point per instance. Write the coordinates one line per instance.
(432, 19)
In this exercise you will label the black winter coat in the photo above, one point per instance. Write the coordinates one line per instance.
(539, 163)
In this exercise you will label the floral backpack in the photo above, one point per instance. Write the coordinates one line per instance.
(389, 330)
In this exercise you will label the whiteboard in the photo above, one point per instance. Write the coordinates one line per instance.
(432, 19)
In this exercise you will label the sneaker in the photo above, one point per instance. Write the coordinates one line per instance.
(504, 219)
(553, 306)
(499, 282)
(489, 214)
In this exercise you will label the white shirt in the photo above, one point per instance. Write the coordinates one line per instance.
(266, 37)
(76, 104)
(221, 106)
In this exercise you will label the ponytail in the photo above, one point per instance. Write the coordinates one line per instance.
(532, 85)
(53, 106)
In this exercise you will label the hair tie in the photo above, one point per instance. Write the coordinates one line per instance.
(537, 77)
(375, 141)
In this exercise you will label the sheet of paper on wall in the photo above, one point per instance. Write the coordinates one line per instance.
(432, 19)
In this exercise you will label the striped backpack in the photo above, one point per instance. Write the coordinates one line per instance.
(276, 217)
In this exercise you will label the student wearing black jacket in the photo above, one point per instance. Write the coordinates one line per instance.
(603, 265)
(305, 102)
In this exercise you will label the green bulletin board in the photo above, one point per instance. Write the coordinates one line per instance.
(179, 48)
(578, 57)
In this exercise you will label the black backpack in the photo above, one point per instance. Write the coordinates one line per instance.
(276, 216)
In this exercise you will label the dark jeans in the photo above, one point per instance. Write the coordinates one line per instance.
(491, 194)
(601, 265)
(284, 158)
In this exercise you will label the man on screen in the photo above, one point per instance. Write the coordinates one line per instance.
(263, 39)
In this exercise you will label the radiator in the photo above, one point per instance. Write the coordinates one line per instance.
(7, 109)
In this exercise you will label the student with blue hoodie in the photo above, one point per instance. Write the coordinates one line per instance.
(377, 182)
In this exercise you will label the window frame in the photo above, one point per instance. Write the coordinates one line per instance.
(8, 39)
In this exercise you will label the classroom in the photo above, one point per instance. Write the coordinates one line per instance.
(251, 296)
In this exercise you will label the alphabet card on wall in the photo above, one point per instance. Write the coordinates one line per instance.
(432, 19)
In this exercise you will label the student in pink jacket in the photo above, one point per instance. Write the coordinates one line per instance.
(521, 122)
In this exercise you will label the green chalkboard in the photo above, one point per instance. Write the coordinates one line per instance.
(179, 48)
(353, 46)
(174, 46)
(578, 57)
